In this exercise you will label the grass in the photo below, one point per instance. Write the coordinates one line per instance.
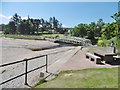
(35, 37)
(87, 78)
(52, 35)
(25, 37)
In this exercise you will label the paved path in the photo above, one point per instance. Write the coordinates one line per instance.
(78, 62)
(55, 67)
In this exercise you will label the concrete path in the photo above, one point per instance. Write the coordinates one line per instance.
(55, 67)
(79, 61)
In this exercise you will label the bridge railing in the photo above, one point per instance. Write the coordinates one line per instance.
(71, 39)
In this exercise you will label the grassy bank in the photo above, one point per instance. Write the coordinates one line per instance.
(87, 78)
(25, 37)
(35, 37)
(52, 35)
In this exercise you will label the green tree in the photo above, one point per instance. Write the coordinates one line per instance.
(5, 28)
(16, 19)
(12, 27)
(37, 23)
(43, 26)
(82, 30)
(91, 31)
(21, 27)
(100, 26)
(110, 31)
(116, 17)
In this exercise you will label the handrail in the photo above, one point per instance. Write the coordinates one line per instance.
(21, 61)
(26, 66)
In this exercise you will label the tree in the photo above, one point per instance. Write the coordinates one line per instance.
(80, 30)
(61, 30)
(55, 24)
(48, 27)
(109, 31)
(27, 27)
(4, 28)
(21, 27)
(50, 24)
(33, 26)
(16, 19)
(100, 26)
(42, 28)
(116, 17)
(92, 31)
(12, 27)
(37, 23)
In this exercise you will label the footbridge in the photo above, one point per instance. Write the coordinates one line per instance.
(74, 40)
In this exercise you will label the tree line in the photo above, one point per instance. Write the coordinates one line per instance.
(31, 26)
(99, 30)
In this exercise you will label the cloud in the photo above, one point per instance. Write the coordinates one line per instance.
(64, 25)
(9, 17)
(3, 16)
(3, 19)
(24, 17)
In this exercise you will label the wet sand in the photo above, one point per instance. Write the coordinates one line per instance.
(15, 48)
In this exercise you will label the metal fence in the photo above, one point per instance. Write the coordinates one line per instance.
(26, 68)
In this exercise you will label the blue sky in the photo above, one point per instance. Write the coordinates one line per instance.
(68, 13)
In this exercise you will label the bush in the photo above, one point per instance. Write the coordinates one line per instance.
(100, 43)
(6, 31)
(56, 36)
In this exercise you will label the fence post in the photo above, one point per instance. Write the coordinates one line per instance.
(46, 63)
(26, 66)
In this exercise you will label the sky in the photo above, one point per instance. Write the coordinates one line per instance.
(69, 14)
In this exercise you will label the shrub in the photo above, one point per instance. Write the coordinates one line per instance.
(6, 31)
(100, 43)
(56, 36)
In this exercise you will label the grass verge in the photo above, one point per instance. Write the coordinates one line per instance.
(33, 37)
(87, 78)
